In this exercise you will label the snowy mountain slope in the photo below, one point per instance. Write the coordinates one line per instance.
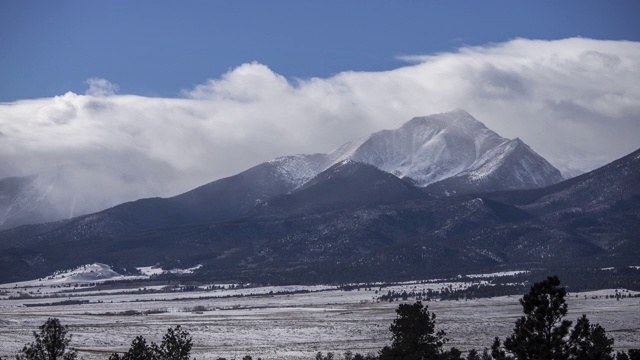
(298, 169)
(509, 166)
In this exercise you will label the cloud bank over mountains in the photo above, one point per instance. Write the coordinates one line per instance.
(575, 101)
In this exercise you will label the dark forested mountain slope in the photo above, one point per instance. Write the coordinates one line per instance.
(613, 187)
(345, 185)
(350, 222)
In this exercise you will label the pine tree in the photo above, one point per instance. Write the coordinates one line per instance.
(414, 335)
(139, 350)
(50, 344)
(543, 333)
(176, 344)
(539, 333)
(589, 342)
(474, 355)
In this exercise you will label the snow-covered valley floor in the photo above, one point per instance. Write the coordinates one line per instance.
(288, 326)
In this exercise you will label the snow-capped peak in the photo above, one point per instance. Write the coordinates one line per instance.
(425, 149)
(430, 148)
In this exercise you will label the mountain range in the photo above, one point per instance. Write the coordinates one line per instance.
(453, 151)
(440, 194)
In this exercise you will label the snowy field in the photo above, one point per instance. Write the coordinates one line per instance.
(232, 323)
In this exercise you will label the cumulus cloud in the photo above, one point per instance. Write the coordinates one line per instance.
(575, 101)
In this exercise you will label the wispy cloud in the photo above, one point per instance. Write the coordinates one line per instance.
(100, 87)
(575, 101)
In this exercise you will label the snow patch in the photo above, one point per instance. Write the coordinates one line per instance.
(85, 273)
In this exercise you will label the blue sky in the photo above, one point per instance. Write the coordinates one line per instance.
(158, 48)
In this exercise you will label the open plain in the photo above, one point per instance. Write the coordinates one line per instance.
(286, 322)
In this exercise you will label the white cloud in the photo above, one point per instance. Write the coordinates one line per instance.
(575, 101)
(100, 87)
(248, 83)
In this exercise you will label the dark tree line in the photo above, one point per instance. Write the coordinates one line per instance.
(542, 333)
